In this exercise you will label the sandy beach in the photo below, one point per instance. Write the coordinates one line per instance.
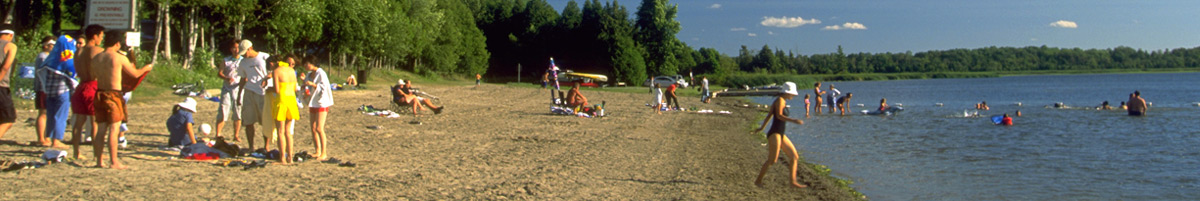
(493, 142)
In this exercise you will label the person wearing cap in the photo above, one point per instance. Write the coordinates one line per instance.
(230, 106)
(253, 70)
(85, 94)
(39, 100)
(109, 69)
(8, 113)
(57, 73)
(776, 137)
(179, 125)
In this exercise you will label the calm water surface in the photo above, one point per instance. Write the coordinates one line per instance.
(930, 152)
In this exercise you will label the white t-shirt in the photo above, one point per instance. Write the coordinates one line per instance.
(230, 70)
(255, 72)
(704, 83)
(322, 95)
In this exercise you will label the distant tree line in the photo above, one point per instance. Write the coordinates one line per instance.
(989, 59)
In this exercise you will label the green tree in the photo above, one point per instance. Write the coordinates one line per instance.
(655, 30)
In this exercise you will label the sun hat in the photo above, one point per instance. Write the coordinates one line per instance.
(8, 31)
(189, 104)
(400, 81)
(790, 88)
(244, 46)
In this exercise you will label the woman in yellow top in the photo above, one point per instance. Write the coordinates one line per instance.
(286, 109)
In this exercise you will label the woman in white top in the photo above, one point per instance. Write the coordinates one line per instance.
(320, 99)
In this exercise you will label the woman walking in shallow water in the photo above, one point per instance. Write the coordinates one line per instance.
(776, 140)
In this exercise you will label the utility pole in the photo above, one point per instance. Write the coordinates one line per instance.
(518, 73)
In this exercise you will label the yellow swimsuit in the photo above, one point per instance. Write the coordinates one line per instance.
(286, 107)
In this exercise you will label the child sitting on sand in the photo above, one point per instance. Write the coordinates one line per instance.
(180, 124)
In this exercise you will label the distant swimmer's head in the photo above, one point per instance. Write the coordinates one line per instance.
(1005, 114)
(1018, 113)
(790, 89)
(883, 100)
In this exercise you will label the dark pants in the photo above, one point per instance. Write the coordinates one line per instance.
(672, 100)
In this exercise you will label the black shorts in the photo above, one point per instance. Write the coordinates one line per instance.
(8, 114)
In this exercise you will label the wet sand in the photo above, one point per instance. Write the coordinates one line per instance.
(492, 142)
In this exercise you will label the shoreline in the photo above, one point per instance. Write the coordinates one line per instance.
(493, 142)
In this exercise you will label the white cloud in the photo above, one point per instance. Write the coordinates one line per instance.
(848, 25)
(738, 29)
(786, 22)
(770, 33)
(715, 6)
(752, 34)
(1033, 39)
(1064, 24)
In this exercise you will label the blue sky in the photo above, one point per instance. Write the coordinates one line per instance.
(817, 27)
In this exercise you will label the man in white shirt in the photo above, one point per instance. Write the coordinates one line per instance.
(253, 69)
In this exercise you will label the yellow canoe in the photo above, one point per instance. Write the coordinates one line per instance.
(595, 77)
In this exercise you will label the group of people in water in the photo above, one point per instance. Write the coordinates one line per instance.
(836, 101)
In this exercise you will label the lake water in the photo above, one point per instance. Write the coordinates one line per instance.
(930, 152)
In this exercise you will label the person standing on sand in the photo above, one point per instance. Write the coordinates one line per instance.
(818, 93)
(57, 74)
(85, 94)
(253, 70)
(318, 104)
(109, 69)
(287, 111)
(658, 97)
(39, 100)
(672, 99)
(1137, 105)
(477, 78)
(230, 106)
(777, 139)
(8, 113)
(706, 95)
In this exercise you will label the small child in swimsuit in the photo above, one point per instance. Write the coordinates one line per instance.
(806, 105)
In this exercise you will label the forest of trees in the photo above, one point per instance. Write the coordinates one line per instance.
(496, 37)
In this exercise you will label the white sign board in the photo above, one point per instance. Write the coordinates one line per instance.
(112, 14)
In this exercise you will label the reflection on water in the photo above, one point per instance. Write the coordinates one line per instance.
(932, 152)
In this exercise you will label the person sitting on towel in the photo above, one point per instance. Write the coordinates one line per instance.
(180, 124)
(574, 98)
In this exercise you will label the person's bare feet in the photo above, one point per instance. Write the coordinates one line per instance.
(798, 185)
(758, 183)
(119, 166)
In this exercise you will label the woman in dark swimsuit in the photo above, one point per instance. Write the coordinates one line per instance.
(776, 140)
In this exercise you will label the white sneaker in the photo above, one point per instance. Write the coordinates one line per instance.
(123, 142)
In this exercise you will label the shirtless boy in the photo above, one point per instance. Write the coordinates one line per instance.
(85, 93)
(109, 67)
